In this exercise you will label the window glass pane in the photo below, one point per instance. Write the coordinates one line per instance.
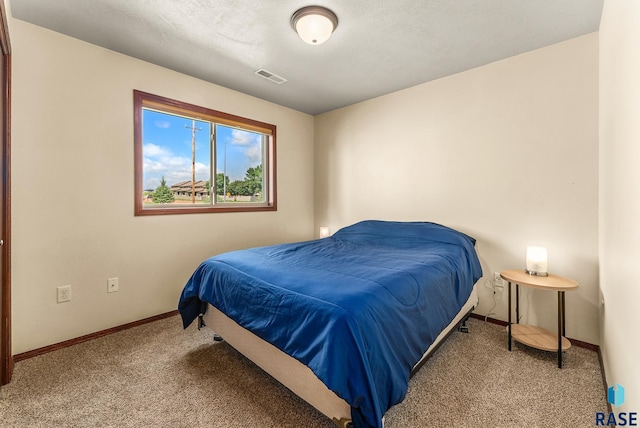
(191, 159)
(176, 155)
(240, 156)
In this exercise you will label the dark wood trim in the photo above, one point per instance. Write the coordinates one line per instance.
(5, 42)
(86, 338)
(201, 210)
(489, 319)
(6, 360)
(5, 289)
(576, 342)
(585, 345)
(605, 387)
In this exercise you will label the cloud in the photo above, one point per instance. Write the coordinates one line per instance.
(162, 124)
(254, 153)
(151, 166)
(160, 162)
(250, 143)
(154, 151)
(176, 175)
(244, 138)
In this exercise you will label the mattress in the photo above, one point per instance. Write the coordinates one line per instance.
(359, 308)
(296, 376)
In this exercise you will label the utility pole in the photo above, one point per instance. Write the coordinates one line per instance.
(193, 158)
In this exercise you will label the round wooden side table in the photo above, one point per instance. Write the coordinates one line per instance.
(531, 335)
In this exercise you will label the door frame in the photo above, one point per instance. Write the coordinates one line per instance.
(6, 359)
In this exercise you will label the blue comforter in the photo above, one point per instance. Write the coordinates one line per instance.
(358, 308)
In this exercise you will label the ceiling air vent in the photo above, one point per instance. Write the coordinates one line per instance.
(269, 75)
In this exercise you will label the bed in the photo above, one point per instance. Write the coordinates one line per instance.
(342, 321)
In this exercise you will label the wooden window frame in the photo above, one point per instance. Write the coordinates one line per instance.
(155, 102)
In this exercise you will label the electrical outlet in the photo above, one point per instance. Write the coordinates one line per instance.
(64, 293)
(112, 285)
(496, 285)
(497, 281)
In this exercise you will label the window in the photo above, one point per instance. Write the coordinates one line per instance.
(191, 159)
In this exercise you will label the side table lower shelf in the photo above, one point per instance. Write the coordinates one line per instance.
(537, 337)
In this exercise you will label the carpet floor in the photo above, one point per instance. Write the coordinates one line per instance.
(158, 375)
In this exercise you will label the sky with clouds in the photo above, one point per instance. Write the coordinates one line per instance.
(167, 151)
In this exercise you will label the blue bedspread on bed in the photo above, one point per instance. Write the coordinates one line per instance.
(358, 308)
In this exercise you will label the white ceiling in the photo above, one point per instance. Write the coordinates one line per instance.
(379, 46)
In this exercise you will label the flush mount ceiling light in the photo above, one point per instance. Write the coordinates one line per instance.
(314, 24)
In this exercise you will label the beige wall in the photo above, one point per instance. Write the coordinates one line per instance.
(507, 152)
(620, 195)
(73, 223)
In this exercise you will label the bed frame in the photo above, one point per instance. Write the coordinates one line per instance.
(296, 376)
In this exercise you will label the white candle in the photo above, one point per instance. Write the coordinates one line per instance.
(324, 231)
